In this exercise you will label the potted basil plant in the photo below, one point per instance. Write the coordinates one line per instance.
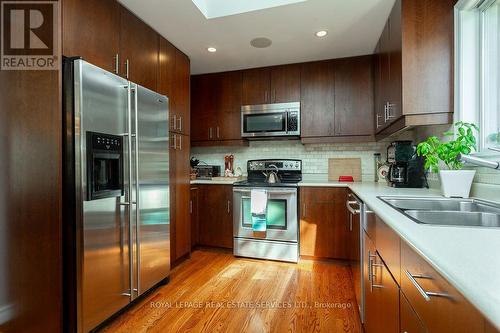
(455, 182)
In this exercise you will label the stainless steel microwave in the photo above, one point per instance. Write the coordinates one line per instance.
(270, 120)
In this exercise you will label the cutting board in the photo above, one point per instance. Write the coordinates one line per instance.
(344, 167)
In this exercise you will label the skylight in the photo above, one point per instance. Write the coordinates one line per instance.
(219, 8)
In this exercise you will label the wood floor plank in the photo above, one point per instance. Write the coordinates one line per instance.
(216, 292)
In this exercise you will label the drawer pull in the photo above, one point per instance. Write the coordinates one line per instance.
(425, 294)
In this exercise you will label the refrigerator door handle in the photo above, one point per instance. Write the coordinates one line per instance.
(129, 195)
(137, 215)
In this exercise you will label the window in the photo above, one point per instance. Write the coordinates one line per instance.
(477, 45)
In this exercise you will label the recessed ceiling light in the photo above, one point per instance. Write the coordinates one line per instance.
(321, 33)
(212, 49)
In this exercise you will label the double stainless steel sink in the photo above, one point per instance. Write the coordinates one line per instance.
(445, 211)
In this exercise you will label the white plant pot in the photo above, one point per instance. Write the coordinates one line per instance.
(456, 183)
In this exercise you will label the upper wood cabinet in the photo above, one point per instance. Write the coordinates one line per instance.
(317, 99)
(91, 29)
(324, 231)
(256, 86)
(166, 72)
(216, 104)
(280, 84)
(285, 84)
(414, 71)
(354, 97)
(180, 116)
(138, 50)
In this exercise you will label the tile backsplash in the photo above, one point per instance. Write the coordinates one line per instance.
(314, 156)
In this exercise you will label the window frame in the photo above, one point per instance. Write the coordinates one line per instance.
(469, 66)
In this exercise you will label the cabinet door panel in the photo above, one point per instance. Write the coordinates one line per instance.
(91, 29)
(395, 65)
(285, 84)
(182, 192)
(181, 93)
(409, 320)
(256, 86)
(228, 104)
(318, 99)
(354, 96)
(139, 45)
(194, 210)
(203, 107)
(324, 232)
(215, 218)
(448, 313)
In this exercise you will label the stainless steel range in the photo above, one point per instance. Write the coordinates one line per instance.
(277, 183)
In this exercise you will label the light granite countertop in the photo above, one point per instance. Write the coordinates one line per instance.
(467, 257)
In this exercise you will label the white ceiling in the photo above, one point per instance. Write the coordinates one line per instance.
(353, 26)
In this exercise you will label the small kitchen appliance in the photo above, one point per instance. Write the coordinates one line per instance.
(204, 171)
(406, 168)
(270, 120)
(279, 179)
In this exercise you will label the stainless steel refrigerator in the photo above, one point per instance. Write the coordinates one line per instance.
(116, 174)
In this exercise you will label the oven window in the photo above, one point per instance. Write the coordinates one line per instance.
(271, 122)
(106, 174)
(276, 213)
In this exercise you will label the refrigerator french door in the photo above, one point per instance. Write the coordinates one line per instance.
(116, 192)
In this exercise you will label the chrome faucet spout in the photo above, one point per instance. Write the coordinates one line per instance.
(479, 161)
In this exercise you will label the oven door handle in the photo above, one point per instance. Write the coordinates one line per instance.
(268, 191)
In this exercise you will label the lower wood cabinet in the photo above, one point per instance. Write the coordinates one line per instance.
(409, 320)
(381, 293)
(440, 306)
(324, 231)
(193, 211)
(180, 222)
(215, 215)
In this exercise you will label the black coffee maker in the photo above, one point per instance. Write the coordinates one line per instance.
(406, 168)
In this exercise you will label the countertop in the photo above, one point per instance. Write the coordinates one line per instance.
(466, 256)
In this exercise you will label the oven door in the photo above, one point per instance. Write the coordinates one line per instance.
(282, 223)
(263, 123)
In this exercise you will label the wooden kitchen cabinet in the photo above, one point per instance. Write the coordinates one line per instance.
(215, 215)
(256, 86)
(409, 320)
(138, 50)
(166, 72)
(317, 99)
(91, 30)
(180, 217)
(381, 293)
(354, 109)
(324, 232)
(216, 109)
(194, 211)
(446, 312)
(180, 113)
(414, 67)
(285, 84)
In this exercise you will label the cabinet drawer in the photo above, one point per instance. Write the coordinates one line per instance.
(386, 241)
(409, 320)
(440, 306)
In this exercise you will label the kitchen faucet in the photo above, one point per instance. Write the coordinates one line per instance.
(480, 161)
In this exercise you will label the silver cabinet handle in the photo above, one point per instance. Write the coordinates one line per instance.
(350, 222)
(390, 107)
(174, 143)
(378, 121)
(371, 275)
(190, 206)
(127, 68)
(180, 123)
(218, 132)
(425, 294)
(180, 142)
(117, 63)
(228, 207)
(174, 122)
(210, 133)
(385, 113)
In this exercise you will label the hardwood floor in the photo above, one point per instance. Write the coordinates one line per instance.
(216, 292)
